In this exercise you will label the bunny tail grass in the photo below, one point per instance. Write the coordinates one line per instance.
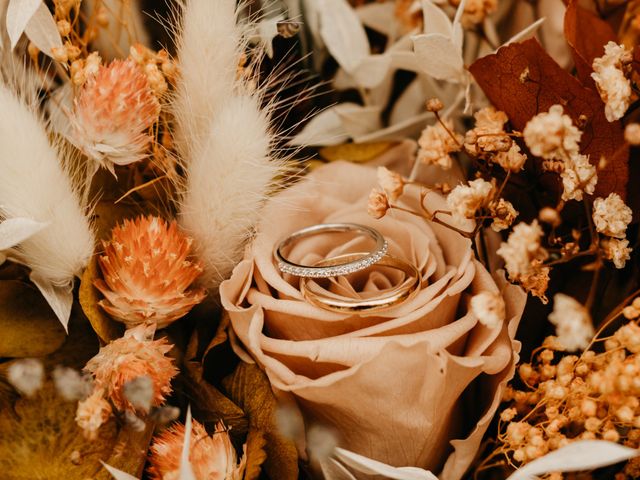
(209, 52)
(229, 177)
(227, 152)
(37, 190)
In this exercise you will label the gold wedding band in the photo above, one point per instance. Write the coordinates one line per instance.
(319, 297)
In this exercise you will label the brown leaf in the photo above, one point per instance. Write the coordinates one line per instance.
(522, 80)
(209, 404)
(587, 34)
(107, 215)
(221, 335)
(106, 328)
(249, 387)
(255, 454)
(40, 439)
(628, 33)
(28, 326)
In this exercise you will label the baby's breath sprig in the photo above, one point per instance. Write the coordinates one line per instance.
(564, 398)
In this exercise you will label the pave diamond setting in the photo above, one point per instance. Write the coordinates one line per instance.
(335, 270)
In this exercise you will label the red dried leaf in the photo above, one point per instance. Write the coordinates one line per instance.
(587, 34)
(522, 80)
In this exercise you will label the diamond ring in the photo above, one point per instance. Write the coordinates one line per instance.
(314, 271)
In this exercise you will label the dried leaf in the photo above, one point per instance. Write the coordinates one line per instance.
(587, 34)
(186, 469)
(118, 474)
(435, 20)
(576, 456)
(628, 33)
(369, 466)
(42, 30)
(355, 152)
(108, 214)
(439, 56)
(255, 454)
(221, 335)
(40, 438)
(372, 70)
(342, 33)
(106, 328)
(334, 470)
(377, 16)
(249, 387)
(16, 230)
(59, 297)
(19, 12)
(325, 128)
(209, 404)
(28, 327)
(337, 124)
(522, 80)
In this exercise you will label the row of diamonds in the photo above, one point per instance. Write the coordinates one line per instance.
(336, 270)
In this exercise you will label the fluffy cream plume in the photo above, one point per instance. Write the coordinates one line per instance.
(224, 138)
(37, 193)
(209, 51)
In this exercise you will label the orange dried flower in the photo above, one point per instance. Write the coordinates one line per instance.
(112, 112)
(92, 413)
(130, 357)
(147, 273)
(212, 457)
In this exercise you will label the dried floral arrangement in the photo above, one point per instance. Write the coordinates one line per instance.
(319, 239)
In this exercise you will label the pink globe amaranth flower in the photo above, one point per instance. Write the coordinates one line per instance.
(134, 355)
(112, 112)
(211, 456)
(147, 274)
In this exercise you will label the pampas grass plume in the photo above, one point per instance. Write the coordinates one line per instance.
(37, 187)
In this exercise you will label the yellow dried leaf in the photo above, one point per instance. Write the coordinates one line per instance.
(106, 328)
(28, 326)
(249, 387)
(355, 152)
(255, 454)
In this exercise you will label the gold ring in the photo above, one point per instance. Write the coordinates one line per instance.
(318, 296)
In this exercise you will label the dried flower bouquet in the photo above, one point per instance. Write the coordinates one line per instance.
(161, 163)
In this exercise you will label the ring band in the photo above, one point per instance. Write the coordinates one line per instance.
(405, 290)
(346, 267)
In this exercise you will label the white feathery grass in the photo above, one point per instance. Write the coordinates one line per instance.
(35, 186)
(209, 51)
(228, 178)
(227, 144)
